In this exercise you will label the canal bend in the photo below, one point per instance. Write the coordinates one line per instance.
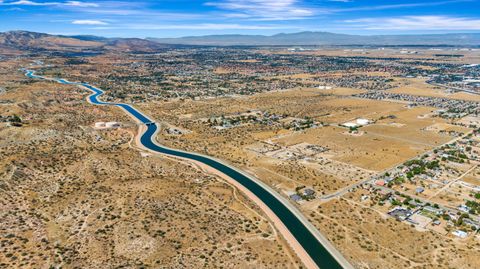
(311, 244)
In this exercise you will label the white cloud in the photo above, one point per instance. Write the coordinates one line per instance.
(15, 9)
(265, 9)
(80, 4)
(89, 22)
(297, 9)
(417, 23)
(29, 3)
(33, 3)
(201, 26)
(397, 6)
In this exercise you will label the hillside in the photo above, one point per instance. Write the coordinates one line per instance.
(31, 41)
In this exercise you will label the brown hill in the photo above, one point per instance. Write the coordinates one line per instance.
(23, 40)
(31, 41)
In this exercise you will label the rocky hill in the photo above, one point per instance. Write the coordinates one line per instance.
(35, 42)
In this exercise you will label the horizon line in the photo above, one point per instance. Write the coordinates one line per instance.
(242, 34)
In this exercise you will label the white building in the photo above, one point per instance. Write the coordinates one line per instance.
(112, 124)
(350, 124)
(356, 123)
(460, 234)
(100, 124)
(105, 125)
(362, 121)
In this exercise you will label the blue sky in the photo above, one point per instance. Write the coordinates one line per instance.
(173, 18)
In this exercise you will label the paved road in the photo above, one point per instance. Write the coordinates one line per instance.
(317, 247)
(449, 184)
(454, 88)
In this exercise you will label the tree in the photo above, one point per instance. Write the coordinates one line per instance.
(15, 118)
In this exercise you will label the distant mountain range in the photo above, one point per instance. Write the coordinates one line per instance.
(326, 38)
(31, 41)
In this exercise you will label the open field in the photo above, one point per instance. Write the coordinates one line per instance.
(386, 142)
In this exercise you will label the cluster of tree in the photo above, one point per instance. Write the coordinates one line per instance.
(418, 167)
(14, 120)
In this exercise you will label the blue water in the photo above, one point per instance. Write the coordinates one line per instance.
(312, 246)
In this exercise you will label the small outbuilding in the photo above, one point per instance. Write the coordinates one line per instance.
(362, 122)
(112, 124)
(100, 124)
(460, 234)
(295, 197)
(419, 189)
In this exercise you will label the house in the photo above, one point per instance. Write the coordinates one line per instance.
(464, 208)
(460, 233)
(308, 192)
(452, 216)
(472, 223)
(295, 197)
(419, 189)
(431, 209)
(400, 213)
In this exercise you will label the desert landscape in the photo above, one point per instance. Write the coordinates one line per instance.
(74, 196)
(376, 149)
